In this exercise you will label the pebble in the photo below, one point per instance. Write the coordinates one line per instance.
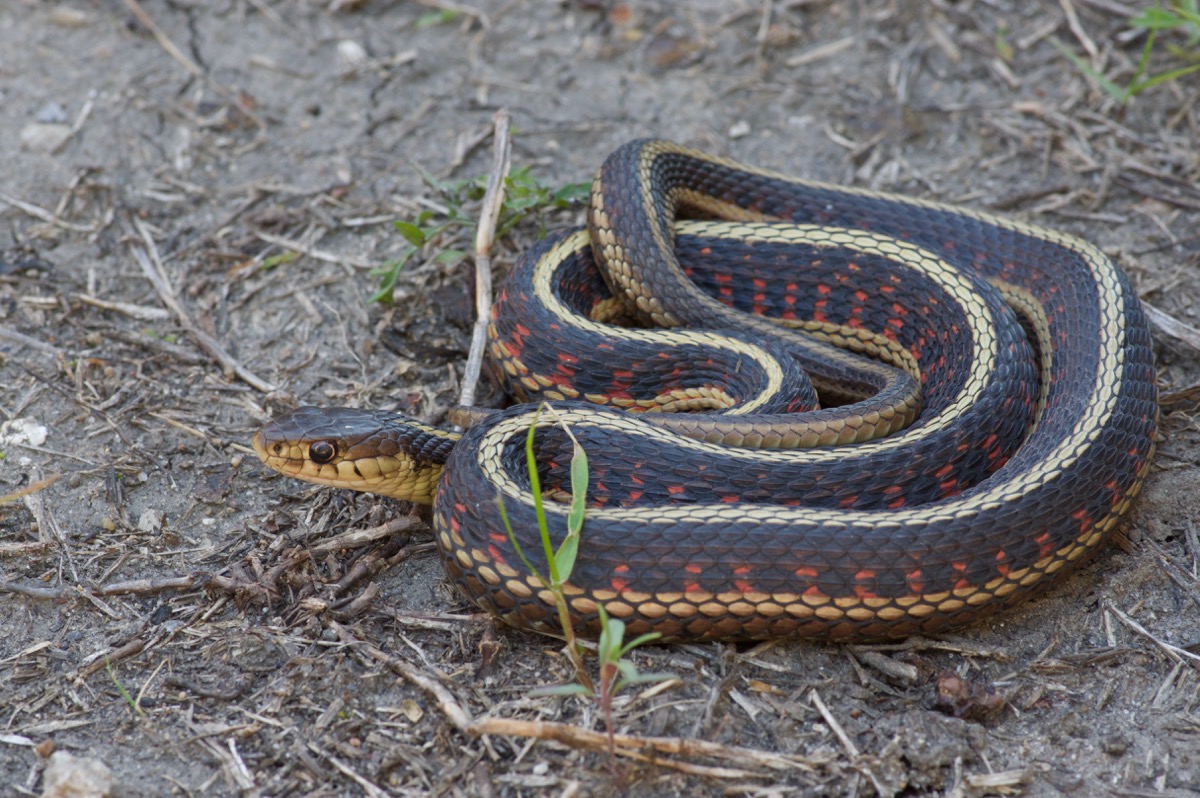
(70, 776)
(52, 113)
(39, 137)
(150, 521)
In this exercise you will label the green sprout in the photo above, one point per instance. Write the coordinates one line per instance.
(524, 197)
(617, 671)
(1180, 16)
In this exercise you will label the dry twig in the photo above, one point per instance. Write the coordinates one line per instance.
(359, 537)
(646, 748)
(458, 717)
(485, 236)
(1180, 331)
(188, 64)
(147, 257)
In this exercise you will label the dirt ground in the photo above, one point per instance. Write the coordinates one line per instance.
(175, 612)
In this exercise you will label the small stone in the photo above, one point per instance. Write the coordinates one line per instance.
(739, 129)
(66, 17)
(314, 605)
(411, 710)
(24, 431)
(70, 776)
(1114, 745)
(52, 113)
(38, 137)
(351, 53)
(150, 521)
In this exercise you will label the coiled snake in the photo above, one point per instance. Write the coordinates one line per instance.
(1010, 364)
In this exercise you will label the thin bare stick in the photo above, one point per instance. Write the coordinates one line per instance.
(1174, 652)
(833, 725)
(191, 66)
(147, 586)
(1077, 28)
(147, 257)
(313, 252)
(708, 771)
(130, 649)
(30, 591)
(347, 771)
(358, 537)
(45, 215)
(845, 740)
(163, 40)
(28, 490)
(1179, 330)
(449, 705)
(24, 340)
(677, 746)
(139, 312)
(49, 529)
(485, 236)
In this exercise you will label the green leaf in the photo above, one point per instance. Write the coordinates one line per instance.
(1156, 19)
(640, 640)
(535, 487)
(1163, 78)
(613, 632)
(641, 678)
(570, 193)
(390, 273)
(412, 234)
(579, 488)
(519, 176)
(435, 18)
(279, 260)
(560, 689)
(1110, 88)
(121, 688)
(1000, 42)
(564, 558)
(449, 257)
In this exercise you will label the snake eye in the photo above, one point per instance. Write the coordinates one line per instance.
(322, 452)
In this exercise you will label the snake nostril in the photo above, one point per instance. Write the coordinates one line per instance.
(322, 452)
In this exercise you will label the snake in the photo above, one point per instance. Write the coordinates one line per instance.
(807, 410)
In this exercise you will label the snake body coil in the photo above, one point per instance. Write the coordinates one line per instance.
(1025, 350)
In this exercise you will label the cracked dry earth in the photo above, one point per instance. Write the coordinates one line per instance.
(182, 176)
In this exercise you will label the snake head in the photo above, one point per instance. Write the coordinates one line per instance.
(373, 451)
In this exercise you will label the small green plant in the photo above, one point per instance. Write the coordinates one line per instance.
(561, 563)
(279, 260)
(1180, 16)
(524, 196)
(170, 338)
(121, 688)
(435, 18)
(616, 671)
(1001, 44)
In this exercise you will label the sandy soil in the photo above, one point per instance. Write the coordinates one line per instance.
(204, 142)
